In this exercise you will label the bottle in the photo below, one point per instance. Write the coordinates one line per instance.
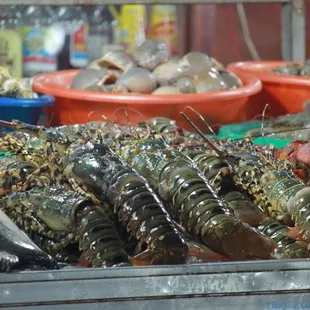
(100, 31)
(11, 44)
(133, 25)
(75, 23)
(163, 26)
(39, 50)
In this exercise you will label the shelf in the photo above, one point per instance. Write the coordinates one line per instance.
(250, 285)
(88, 2)
(293, 14)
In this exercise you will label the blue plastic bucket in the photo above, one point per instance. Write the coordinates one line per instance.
(25, 110)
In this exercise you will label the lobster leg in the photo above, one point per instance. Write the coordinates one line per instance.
(24, 127)
(144, 258)
(40, 179)
(198, 251)
(217, 181)
(8, 261)
(77, 188)
(202, 253)
(153, 257)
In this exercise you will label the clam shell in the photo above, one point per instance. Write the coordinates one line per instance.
(89, 77)
(151, 53)
(166, 73)
(166, 90)
(117, 60)
(138, 80)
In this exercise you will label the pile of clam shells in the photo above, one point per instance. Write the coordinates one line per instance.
(299, 69)
(13, 87)
(151, 70)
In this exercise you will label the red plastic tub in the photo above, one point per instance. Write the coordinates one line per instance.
(74, 106)
(284, 93)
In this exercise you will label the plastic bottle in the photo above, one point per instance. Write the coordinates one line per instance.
(75, 23)
(163, 26)
(133, 25)
(100, 31)
(11, 44)
(39, 49)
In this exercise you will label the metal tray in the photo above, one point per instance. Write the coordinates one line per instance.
(237, 285)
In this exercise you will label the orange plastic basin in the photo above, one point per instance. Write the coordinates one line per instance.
(284, 93)
(74, 106)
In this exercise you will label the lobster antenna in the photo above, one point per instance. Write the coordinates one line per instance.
(259, 117)
(148, 129)
(130, 109)
(135, 111)
(50, 120)
(102, 116)
(69, 128)
(97, 112)
(263, 119)
(128, 121)
(262, 124)
(217, 150)
(202, 118)
(271, 133)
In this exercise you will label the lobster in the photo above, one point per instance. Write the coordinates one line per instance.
(17, 251)
(96, 167)
(193, 203)
(219, 172)
(56, 218)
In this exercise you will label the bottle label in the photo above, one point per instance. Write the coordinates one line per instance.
(38, 56)
(164, 27)
(78, 47)
(11, 52)
(133, 26)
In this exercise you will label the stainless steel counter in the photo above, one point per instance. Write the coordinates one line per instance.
(237, 285)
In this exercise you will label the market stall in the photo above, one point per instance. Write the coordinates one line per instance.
(151, 183)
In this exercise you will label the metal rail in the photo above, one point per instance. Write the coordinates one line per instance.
(293, 17)
(281, 284)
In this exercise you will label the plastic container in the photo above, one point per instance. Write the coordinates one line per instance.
(74, 53)
(163, 26)
(132, 22)
(101, 26)
(25, 110)
(39, 47)
(238, 131)
(284, 93)
(75, 105)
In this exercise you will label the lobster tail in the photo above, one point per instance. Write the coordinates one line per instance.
(197, 207)
(99, 239)
(287, 247)
(145, 217)
(226, 235)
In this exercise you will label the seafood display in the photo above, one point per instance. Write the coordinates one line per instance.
(299, 69)
(151, 70)
(104, 194)
(290, 126)
(16, 88)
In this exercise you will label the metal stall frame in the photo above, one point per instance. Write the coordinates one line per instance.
(293, 17)
(281, 284)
